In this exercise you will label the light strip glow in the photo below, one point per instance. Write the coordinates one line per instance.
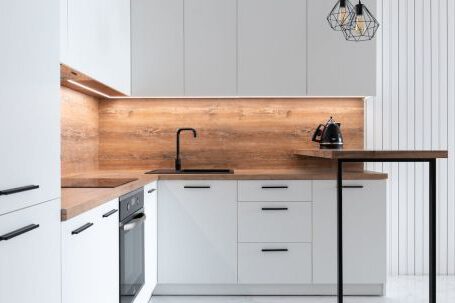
(89, 89)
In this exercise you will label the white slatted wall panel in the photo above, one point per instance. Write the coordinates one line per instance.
(414, 109)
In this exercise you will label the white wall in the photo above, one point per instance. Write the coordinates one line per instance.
(414, 109)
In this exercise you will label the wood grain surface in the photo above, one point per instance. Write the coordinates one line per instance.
(372, 154)
(79, 132)
(233, 133)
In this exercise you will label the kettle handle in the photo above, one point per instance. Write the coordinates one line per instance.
(317, 133)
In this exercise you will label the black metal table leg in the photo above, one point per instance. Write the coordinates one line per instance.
(340, 230)
(432, 232)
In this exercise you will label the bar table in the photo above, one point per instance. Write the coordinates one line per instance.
(342, 156)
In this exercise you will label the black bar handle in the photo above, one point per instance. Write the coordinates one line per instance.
(18, 232)
(274, 249)
(275, 187)
(18, 190)
(352, 186)
(82, 228)
(110, 213)
(274, 208)
(196, 186)
(151, 190)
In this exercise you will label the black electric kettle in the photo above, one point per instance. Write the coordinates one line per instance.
(329, 135)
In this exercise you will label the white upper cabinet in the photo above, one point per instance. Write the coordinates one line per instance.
(157, 47)
(30, 103)
(272, 47)
(337, 67)
(210, 47)
(99, 43)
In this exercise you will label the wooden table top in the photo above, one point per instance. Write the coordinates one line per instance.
(335, 154)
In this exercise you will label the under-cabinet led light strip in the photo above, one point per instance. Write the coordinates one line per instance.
(89, 89)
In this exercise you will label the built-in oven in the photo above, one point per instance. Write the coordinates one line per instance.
(131, 234)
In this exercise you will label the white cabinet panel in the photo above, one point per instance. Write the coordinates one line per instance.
(279, 263)
(90, 256)
(30, 102)
(274, 222)
(337, 67)
(276, 190)
(197, 232)
(272, 47)
(364, 232)
(30, 262)
(99, 42)
(210, 47)
(63, 31)
(157, 47)
(151, 242)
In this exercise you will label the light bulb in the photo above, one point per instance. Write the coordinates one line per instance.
(360, 24)
(342, 15)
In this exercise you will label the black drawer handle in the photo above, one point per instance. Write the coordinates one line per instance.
(18, 190)
(352, 186)
(151, 190)
(275, 187)
(195, 186)
(82, 228)
(108, 214)
(18, 232)
(274, 249)
(274, 208)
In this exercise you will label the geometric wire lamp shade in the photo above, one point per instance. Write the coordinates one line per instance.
(340, 15)
(362, 25)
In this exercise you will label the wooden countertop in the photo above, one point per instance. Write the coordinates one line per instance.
(372, 154)
(76, 201)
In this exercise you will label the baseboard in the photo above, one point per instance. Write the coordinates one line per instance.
(267, 290)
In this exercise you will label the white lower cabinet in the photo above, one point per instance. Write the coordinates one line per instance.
(197, 232)
(30, 254)
(275, 263)
(364, 232)
(90, 256)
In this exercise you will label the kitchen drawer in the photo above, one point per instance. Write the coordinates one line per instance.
(278, 263)
(195, 190)
(274, 222)
(276, 190)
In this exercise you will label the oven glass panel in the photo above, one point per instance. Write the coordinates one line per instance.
(131, 262)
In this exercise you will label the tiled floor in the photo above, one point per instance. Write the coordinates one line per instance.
(399, 290)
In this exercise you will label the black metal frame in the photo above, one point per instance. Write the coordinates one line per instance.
(432, 219)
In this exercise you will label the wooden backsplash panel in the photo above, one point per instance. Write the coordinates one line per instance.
(234, 133)
(79, 132)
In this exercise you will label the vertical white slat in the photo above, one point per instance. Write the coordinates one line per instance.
(369, 123)
(379, 90)
(442, 133)
(427, 117)
(418, 135)
(402, 100)
(451, 136)
(410, 134)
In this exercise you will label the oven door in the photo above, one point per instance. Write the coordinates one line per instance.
(131, 256)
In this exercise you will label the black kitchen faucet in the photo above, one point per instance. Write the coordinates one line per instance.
(178, 162)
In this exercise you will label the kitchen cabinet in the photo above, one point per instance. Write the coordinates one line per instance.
(272, 47)
(337, 67)
(151, 242)
(364, 232)
(63, 31)
(197, 232)
(30, 262)
(157, 47)
(30, 106)
(210, 47)
(90, 256)
(99, 41)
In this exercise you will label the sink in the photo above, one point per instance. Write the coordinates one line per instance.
(192, 171)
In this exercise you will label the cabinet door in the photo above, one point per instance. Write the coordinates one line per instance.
(272, 47)
(151, 244)
(30, 262)
(337, 67)
(197, 232)
(29, 106)
(63, 31)
(157, 47)
(364, 232)
(99, 41)
(210, 47)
